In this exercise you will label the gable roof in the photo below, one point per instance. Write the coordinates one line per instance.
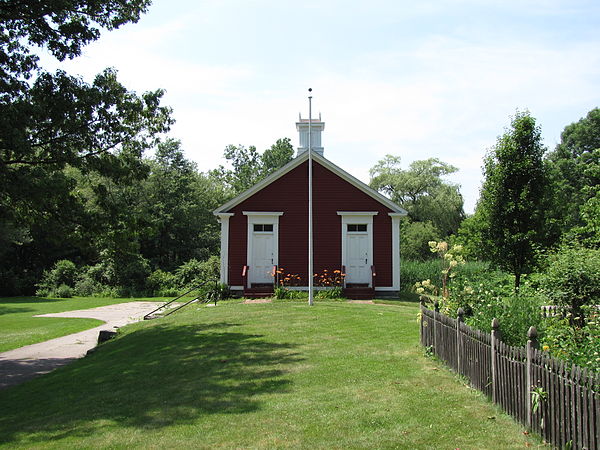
(295, 163)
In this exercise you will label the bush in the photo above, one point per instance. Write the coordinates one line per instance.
(123, 272)
(195, 272)
(93, 281)
(515, 313)
(576, 345)
(415, 238)
(62, 275)
(571, 279)
(412, 272)
(283, 293)
(63, 291)
(162, 284)
(280, 292)
(86, 286)
(488, 295)
(333, 293)
(216, 291)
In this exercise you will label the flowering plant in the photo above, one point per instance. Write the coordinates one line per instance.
(329, 279)
(287, 279)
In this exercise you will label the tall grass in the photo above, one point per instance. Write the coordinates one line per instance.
(413, 271)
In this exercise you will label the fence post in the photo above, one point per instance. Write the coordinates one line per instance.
(460, 319)
(532, 344)
(495, 339)
(422, 307)
(436, 309)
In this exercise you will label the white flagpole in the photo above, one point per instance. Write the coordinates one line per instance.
(310, 205)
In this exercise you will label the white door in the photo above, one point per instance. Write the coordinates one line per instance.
(357, 257)
(261, 264)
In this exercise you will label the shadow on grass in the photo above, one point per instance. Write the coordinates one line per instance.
(8, 310)
(15, 371)
(11, 300)
(157, 376)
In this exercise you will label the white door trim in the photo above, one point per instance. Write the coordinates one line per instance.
(264, 217)
(357, 217)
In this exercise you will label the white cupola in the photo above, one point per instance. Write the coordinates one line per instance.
(316, 127)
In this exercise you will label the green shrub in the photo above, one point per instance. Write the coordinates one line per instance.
(577, 345)
(280, 292)
(216, 291)
(415, 237)
(194, 272)
(162, 284)
(489, 294)
(283, 293)
(571, 279)
(515, 313)
(332, 293)
(63, 273)
(412, 272)
(85, 286)
(63, 291)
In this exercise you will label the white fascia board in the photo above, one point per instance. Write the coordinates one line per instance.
(357, 213)
(261, 213)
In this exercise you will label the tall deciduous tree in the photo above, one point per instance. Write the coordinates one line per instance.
(575, 173)
(248, 166)
(422, 191)
(178, 203)
(513, 197)
(52, 121)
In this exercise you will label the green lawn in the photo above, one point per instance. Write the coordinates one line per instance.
(18, 327)
(279, 375)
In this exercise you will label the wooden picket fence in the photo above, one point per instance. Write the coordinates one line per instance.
(559, 402)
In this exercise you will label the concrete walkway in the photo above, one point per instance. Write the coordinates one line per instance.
(21, 364)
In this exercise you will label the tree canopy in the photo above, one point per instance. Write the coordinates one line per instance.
(248, 166)
(575, 173)
(422, 191)
(51, 123)
(513, 197)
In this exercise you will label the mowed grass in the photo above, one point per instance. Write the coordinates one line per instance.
(336, 375)
(19, 327)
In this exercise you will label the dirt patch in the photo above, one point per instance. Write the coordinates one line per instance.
(258, 300)
(365, 302)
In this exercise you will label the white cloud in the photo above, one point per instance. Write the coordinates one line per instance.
(447, 96)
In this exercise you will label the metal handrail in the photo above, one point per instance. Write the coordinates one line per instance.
(245, 270)
(147, 316)
(373, 275)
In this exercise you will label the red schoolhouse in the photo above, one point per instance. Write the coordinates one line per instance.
(356, 230)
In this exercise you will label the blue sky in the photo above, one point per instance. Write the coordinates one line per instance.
(415, 79)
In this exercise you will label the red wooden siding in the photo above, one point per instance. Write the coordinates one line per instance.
(289, 195)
